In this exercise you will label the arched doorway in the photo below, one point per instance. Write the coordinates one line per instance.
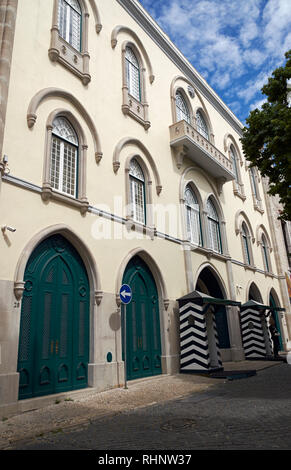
(208, 283)
(143, 340)
(53, 351)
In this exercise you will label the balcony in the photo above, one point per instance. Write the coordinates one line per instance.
(188, 142)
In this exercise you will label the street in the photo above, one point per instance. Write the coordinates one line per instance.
(244, 414)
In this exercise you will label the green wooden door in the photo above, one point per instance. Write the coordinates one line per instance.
(277, 321)
(142, 322)
(54, 330)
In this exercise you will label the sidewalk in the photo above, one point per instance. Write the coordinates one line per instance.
(79, 407)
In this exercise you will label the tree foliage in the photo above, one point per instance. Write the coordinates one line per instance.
(266, 140)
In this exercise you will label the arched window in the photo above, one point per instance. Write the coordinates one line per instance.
(254, 182)
(201, 125)
(70, 21)
(234, 162)
(193, 217)
(245, 243)
(64, 157)
(137, 191)
(213, 228)
(182, 111)
(132, 74)
(265, 251)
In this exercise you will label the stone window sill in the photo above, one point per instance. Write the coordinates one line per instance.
(48, 194)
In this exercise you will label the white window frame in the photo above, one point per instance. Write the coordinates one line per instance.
(193, 220)
(63, 145)
(182, 114)
(214, 231)
(201, 125)
(133, 74)
(66, 23)
(137, 188)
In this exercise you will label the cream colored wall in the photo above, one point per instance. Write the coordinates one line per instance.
(32, 71)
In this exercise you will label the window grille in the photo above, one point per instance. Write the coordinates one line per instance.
(69, 22)
(137, 191)
(201, 125)
(182, 110)
(132, 74)
(214, 228)
(64, 157)
(193, 217)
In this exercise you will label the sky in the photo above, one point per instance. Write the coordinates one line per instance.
(234, 44)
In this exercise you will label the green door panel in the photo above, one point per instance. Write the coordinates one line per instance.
(277, 321)
(142, 322)
(53, 351)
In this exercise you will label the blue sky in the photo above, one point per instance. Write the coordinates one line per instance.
(234, 44)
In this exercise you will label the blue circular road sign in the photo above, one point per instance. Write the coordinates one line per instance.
(125, 294)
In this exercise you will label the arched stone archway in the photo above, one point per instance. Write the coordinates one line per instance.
(208, 282)
(54, 338)
(141, 322)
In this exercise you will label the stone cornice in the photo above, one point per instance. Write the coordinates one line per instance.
(136, 11)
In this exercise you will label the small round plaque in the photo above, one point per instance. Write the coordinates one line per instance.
(109, 357)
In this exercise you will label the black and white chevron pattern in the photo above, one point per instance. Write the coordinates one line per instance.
(216, 341)
(256, 344)
(193, 338)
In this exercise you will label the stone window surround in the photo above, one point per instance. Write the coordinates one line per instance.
(261, 230)
(205, 248)
(195, 190)
(132, 107)
(61, 51)
(238, 186)
(146, 161)
(201, 107)
(241, 218)
(48, 192)
(257, 200)
(131, 224)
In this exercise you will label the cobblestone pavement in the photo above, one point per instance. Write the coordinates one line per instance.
(250, 413)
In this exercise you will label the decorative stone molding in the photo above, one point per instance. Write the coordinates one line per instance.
(126, 141)
(166, 303)
(98, 296)
(72, 237)
(151, 263)
(80, 201)
(187, 141)
(98, 24)
(241, 216)
(238, 186)
(61, 51)
(137, 109)
(125, 29)
(202, 108)
(180, 154)
(46, 93)
(48, 194)
(19, 289)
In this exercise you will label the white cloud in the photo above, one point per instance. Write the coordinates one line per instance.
(229, 41)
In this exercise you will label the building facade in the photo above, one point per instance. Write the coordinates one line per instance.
(119, 164)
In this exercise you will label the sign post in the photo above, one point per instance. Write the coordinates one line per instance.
(125, 295)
